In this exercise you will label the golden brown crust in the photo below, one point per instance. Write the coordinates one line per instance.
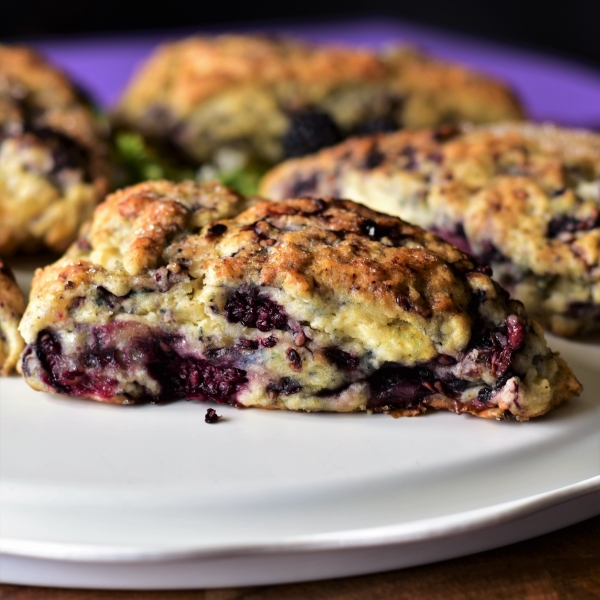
(302, 305)
(53, 163)
(185, 73)
(205, 93)
(12, 306)
(525, 198)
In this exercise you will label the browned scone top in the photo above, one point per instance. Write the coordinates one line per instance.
(277, 97)
(186, 291)
(523, 198)
(53, 162)
(12, 306)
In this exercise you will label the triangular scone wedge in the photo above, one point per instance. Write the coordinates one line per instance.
(314, 305)
(12, 305)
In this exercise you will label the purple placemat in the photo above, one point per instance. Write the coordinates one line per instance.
(551, 88)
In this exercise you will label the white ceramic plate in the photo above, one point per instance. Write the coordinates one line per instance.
(94, 495)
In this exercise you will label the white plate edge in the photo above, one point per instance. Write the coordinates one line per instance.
(434, 528)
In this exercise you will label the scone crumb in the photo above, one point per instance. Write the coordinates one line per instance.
(211, 416)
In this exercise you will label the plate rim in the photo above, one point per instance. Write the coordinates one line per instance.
(383, 536)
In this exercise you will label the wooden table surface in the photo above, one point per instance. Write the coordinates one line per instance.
(561, 565)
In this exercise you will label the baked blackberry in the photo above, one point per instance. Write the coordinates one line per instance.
(12, 305)
(241, 103)
(522, 198)
(175, 291)
(53, 168)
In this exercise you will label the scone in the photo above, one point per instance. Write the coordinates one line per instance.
(312, 305)
(53, 168)
(240, 103)
(522, 198)
(12, 306)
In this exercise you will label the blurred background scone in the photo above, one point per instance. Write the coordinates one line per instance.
(53, 163)
(523, 198)
(12, 306)
(241, 103)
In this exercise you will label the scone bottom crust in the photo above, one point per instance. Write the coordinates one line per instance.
(182, 291)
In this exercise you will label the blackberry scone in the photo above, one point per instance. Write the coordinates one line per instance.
(313, 305)
(12, 306)
(52, 155)
(237, 104)
(522, 198)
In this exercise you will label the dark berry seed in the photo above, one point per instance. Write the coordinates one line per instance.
(107, 299)
(300, 338)
(285, 387)
(294, 359)
(404, 303)
(484, 394)
(421, 308)
(376, 231)
(252, 309)
(248, 344)
(268, 342)
(485, 270)
(341, 359)
(309, 131)
(216, 230)
(211, 416)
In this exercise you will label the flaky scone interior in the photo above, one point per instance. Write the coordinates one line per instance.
(175, 291)
(522, 198)
(12, 306)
